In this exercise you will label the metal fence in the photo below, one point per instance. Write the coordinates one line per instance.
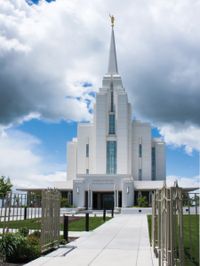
(175, 227)
(50, 222)
(19, 206)
(45, 208)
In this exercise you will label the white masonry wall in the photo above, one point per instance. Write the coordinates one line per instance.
(71, 159)
(84, 137)
(141, 134)
(100, 131)
(160, 161)
(122, 130)
(130, 140)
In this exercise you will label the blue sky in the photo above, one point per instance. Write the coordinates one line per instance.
(37, 1)
(54, 137)
(53, 58)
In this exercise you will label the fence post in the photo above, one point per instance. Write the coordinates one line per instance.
(153, 225)
(104, 215)
(87, 221)
(171, 226)
(112, 212)
(159, 225)
(66, 227)
(50, 222)
(25, 213)
(181, 240)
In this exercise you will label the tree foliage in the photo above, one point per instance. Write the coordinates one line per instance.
(5, 186)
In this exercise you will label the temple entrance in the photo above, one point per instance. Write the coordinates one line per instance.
(103, 200)
(146, 194)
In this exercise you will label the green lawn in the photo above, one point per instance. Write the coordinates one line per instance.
(75, 225)
(149, 225)
(191, 238)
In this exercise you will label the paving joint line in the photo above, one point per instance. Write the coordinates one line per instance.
(139, 242)
(90, 263)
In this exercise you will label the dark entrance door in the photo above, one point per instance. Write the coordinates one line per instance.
(86, 200)
(119, 199)
(103, 200)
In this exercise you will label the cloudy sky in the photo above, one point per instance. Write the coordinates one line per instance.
(53, 55)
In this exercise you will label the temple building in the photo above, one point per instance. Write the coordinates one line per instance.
(114, 159)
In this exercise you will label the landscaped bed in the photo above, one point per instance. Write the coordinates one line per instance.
(190, 237)
(22, 247)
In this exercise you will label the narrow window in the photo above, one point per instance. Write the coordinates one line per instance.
(111, 124)
(112, 107)
(87, 171)
(111, 97)
(111, 166)
(140, 150)
(87, 150)
(140, 174)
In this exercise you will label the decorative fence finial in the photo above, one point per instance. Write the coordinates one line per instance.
(176, 183)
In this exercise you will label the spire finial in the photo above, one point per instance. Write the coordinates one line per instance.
(112, 18)
(112, 63)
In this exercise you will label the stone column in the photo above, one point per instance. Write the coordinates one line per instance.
(117, 205)
(88, 200)
(91, 199)
(115, 197)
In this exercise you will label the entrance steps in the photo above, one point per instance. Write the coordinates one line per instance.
(136, 210)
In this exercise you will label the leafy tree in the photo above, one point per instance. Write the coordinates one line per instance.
(5, 186)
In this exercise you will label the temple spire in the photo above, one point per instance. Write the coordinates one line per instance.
(112, 64)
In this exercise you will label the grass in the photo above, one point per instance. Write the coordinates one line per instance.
(190, 238)
(149, 225)
(74, 225)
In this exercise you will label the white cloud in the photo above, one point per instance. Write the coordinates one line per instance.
(50, 48)
(43, 180)
(21, 161)
(41, 50)
(48, 51)
(182, 135)
(185, 182)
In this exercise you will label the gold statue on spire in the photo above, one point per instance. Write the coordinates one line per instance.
(112, 18)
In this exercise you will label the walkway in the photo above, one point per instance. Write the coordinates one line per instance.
(121, 241)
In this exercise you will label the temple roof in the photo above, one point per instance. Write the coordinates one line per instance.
(112, 63)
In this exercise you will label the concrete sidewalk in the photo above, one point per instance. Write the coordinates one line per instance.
(123, 240)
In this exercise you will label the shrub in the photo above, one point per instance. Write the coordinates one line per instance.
(20, 249)
(63, 241)
(33, 240)
(24, 231)
(36, 234)
(65, 203)
(142, 202)
(8, 244)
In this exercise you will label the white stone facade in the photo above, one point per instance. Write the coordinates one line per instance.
(114, 151)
